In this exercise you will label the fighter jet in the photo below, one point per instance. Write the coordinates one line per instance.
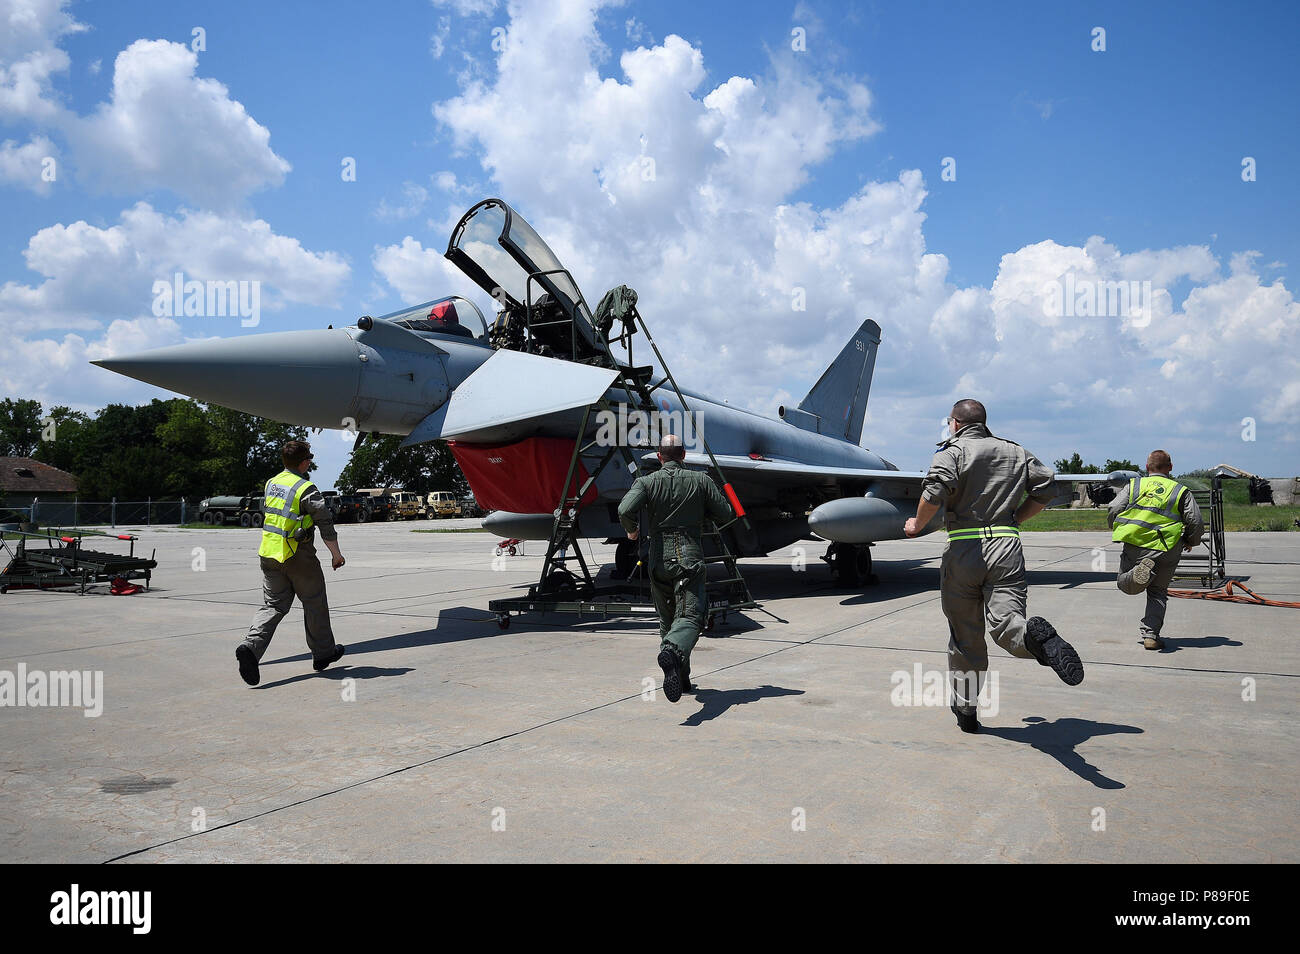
(511, 395)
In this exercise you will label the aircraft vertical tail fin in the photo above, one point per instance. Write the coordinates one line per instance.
(839, 398)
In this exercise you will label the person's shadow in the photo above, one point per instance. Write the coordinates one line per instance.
(1060, 738)
(1174, 644)
(339, 673)
(714, 702)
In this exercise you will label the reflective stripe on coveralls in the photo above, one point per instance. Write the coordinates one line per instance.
(983, 533)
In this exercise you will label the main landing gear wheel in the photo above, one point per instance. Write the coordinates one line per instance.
(850, 563)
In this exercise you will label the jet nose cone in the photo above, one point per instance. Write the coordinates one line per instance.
(300, 377)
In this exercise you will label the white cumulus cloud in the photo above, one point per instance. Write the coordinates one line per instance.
(688, 190)
(166, 127)
(25, 165)
(91, 274)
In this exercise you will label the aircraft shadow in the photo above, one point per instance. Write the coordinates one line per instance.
(1060, 739)
(714, 702)
(340, 672)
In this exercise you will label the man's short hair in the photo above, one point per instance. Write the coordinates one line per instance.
(670, 447)
(1159, 460)
(969, 411)
(294, 453)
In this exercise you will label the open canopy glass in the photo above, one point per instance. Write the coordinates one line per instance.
(499, 251)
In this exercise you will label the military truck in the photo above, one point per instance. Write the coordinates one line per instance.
(410, 506)
(349, 508)
(383, 507)
(443, 503)
(218, 511)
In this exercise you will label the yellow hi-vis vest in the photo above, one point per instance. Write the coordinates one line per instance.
(1152, 520)
(283, 521)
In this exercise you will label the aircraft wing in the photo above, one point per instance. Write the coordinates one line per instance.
(778, 472)
(792, 472)
(511, 388)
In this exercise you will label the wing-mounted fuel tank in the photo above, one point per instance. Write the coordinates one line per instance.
(865, 519)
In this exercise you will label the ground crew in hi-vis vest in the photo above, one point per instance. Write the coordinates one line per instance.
(292, 510)
(1156, 518)
(980, 481)
(676, 501)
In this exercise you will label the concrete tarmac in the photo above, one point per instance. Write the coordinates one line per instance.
(439, 737)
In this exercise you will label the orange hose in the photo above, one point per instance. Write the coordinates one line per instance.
(1226, 595)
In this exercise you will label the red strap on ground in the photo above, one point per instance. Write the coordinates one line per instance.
(1226, 595)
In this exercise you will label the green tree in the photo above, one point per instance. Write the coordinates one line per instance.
(67, 446)
(381, 461)
(245, 450)
(163, 449)
(20, 427)
(1112, 465)
(122, 456)
(1075, 465)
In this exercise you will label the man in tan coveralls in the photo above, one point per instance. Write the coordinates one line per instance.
(292, 510)
(1149, 570)
(980, 480)
(676, 501)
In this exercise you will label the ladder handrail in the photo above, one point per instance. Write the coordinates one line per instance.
(638, 394)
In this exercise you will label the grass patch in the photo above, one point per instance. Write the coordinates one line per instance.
(1063, 519)
(1236, 517)
(448, 530)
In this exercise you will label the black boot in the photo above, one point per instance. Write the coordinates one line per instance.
(687, 685)
(248, 669)
(1050, 649)
(671, 664)
(320, 664)
(966, 721)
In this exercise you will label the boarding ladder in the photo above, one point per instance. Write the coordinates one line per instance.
(567, 583)
(1208, 567)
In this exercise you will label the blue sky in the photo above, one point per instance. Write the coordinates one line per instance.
(1141, 144)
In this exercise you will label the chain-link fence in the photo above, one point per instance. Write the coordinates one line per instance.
(96, 513)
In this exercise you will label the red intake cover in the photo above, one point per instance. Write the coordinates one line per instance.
(524, 477)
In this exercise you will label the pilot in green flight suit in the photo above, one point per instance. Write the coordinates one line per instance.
(979, 481)
(676, 501)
